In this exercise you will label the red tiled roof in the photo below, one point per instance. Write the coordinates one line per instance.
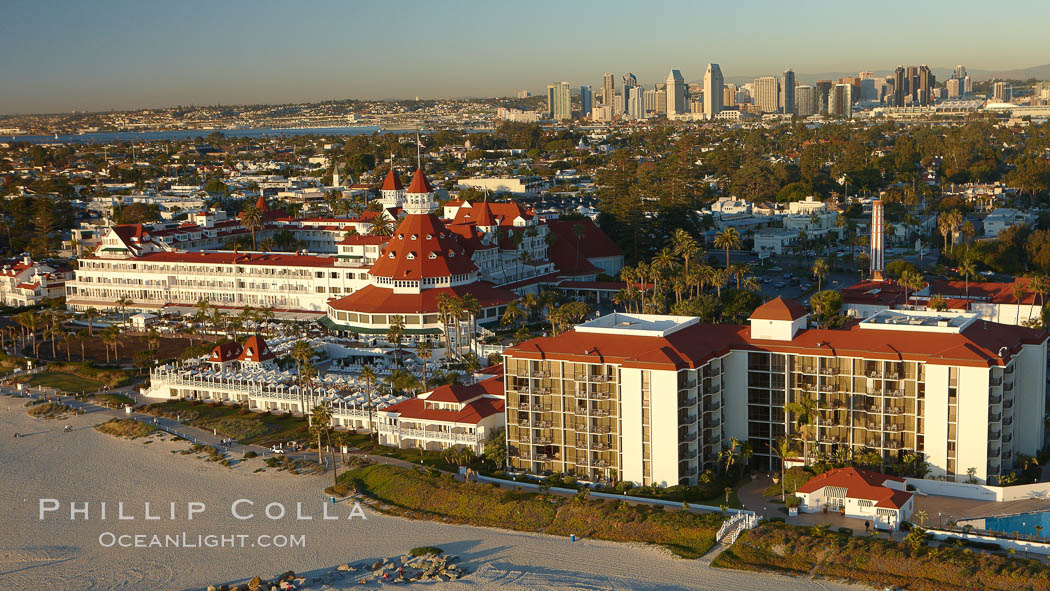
(859, 484)
(455, 393)
(364, 239)
(690, 347)
(995, 292)
(380, 300)
(392, 182)
(422, 247)
(225, 352)
(471, 414)
(420, 184)
(256, 349)
(593, 244)
(874, 293)
(779, 308)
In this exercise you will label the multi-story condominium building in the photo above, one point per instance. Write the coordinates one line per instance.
(805, 100)
(840, 101)
(652, 399)
(559, 102)
(767, 94)
(608, 89)
(586, 101)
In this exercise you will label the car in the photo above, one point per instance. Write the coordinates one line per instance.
(277, 450)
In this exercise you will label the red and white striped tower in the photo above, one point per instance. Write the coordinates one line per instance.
(877, 246)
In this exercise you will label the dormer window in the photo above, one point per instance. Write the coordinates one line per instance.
(410, 256)
(413, 237)
(430, 236)
(451, 254)
(391, 255)
(400, 236)
(433, 256)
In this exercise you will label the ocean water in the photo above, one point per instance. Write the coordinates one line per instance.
(188, 134)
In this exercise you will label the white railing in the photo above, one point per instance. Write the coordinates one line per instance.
(469, 438)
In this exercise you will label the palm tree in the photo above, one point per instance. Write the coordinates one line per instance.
(381, 226)
(684, 245)
(820, 271)
(424, 350)
(511, 312)
(1040, 286)
(727, 239)
(111, 338)
(472, 307)
(1017, 290)
(369, 376)
(805, 411)
(782, 450)
(91, 314)
(728, 455)
(82, 337)
(320, 419)
(301, 352)
(967, 269)
(123, 304)
(252, 219)
(911, 281)
(395, 334)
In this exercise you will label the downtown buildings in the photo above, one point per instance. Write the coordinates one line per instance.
(654, 399)
(713, 92)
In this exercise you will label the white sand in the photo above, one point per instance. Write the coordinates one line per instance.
(86, 465)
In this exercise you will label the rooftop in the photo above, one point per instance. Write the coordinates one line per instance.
(952, 321)
(652, 325)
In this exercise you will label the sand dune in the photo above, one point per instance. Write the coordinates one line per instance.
(84, 465)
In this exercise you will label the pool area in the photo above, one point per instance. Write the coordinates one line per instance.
(1023, 523)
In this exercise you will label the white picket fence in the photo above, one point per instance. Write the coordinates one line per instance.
(735, 525)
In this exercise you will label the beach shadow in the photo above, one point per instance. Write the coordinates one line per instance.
(553, 577)
(22, 435)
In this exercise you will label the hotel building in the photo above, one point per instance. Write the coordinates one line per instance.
(653, 399)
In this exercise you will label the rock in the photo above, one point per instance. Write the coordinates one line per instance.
(363, 582)
(254, 584)
(345, 567)
(212, 588)
(377, 564)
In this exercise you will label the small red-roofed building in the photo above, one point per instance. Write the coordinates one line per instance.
(256, 353)
(224, 355)
(447, 416)
(861, 494)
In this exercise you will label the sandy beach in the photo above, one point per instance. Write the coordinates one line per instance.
(57, 553)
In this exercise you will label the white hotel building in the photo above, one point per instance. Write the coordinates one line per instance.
(653, 399)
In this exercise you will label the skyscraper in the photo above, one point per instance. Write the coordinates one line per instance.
(676, 104)
(823, 92)
(840, 101)
(900, 86)
(634, 97)
(608, 88)
(960, 71)
(926, 83)
(586, 101)
(629, 80)
(559, 102)
(729, 96)
(788, 92)
(805, 100)
(767, 94)
(714, 89)
(1001, 92)
(954, 85)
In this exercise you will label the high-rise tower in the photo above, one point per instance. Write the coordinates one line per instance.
(788, 91)
(714, 87)
(676, 104)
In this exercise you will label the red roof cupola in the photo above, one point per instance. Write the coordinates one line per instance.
(422, 247)
(420, 184)
(392, 182)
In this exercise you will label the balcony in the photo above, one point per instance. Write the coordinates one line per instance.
(995, 399)
(686, 401)
(994, 436)
(995, 418)
(686, 419)
(1008, 404)
(1007, 438)
(1008, 421)
(713, 407)
(687, 385)
(593, 412)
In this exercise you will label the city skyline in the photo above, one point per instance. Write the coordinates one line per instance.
(270, 53)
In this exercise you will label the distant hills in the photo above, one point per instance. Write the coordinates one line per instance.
(1038, 72)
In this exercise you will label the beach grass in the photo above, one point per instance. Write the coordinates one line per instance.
(237, 423)
(879, 562)
(127, 428)
(413, 493)
(48, 410)
(113, 400)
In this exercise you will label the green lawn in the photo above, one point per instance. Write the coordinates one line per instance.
(114, 400)
(250, 427)
(67, 382)
(429, 458)
(793, 479)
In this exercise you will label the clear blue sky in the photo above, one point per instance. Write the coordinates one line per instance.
(101, 54)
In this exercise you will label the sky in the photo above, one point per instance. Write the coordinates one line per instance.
(102, 54)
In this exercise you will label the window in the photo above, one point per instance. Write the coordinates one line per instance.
(864, 504)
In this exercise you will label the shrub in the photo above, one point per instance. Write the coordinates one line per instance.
(846, 530)
(250, 454)
(128, 428)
